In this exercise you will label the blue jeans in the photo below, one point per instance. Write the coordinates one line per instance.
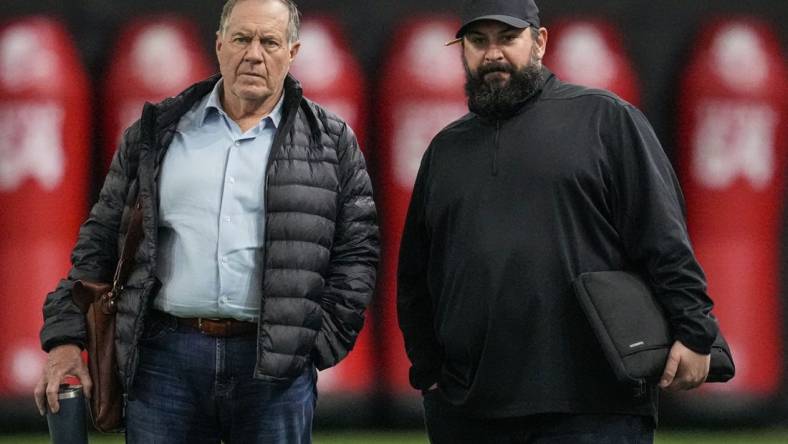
(193, 388)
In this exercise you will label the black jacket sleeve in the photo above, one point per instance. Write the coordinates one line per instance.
(650, 219)
(414, 304)
(354, 257)
(93, 258)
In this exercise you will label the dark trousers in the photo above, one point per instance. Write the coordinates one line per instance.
(195, 389)
(447, 427)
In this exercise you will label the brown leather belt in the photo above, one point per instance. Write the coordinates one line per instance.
(220, 327)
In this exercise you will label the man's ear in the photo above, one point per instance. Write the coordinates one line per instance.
(218, 45)
(294, 50)
(541, 43)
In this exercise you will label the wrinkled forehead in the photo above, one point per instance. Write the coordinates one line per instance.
(253, 15)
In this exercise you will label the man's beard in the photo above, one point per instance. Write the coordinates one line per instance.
(501, 99)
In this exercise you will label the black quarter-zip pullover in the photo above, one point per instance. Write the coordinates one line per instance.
(579, 182)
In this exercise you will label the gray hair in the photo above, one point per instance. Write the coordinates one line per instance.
(293, 23)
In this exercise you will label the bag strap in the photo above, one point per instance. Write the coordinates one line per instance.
(130, 244)
(134, 233)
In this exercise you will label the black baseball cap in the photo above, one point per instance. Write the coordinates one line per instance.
(515, 13)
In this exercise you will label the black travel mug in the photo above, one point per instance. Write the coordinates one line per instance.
(69, 425)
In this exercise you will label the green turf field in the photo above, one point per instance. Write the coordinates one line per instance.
(753, 437)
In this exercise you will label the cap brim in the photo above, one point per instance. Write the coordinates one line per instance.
(509, 20)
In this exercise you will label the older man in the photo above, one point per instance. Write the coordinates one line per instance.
(541, 182)
(259, 252)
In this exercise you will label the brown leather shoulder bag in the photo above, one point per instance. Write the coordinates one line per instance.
(98, 301)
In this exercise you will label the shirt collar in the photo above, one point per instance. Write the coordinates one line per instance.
(215, 104)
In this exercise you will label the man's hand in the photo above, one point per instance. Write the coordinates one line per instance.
(685, 369)
(63, 360)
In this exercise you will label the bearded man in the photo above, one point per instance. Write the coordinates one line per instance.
(540, 182)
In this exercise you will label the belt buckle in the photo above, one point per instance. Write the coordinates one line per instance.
(200, 327)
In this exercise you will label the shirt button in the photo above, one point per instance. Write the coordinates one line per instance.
(237, 143)
(227, 219)
(232, 180)
(224, 260)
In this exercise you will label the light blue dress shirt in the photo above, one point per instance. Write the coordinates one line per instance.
(212, 214)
